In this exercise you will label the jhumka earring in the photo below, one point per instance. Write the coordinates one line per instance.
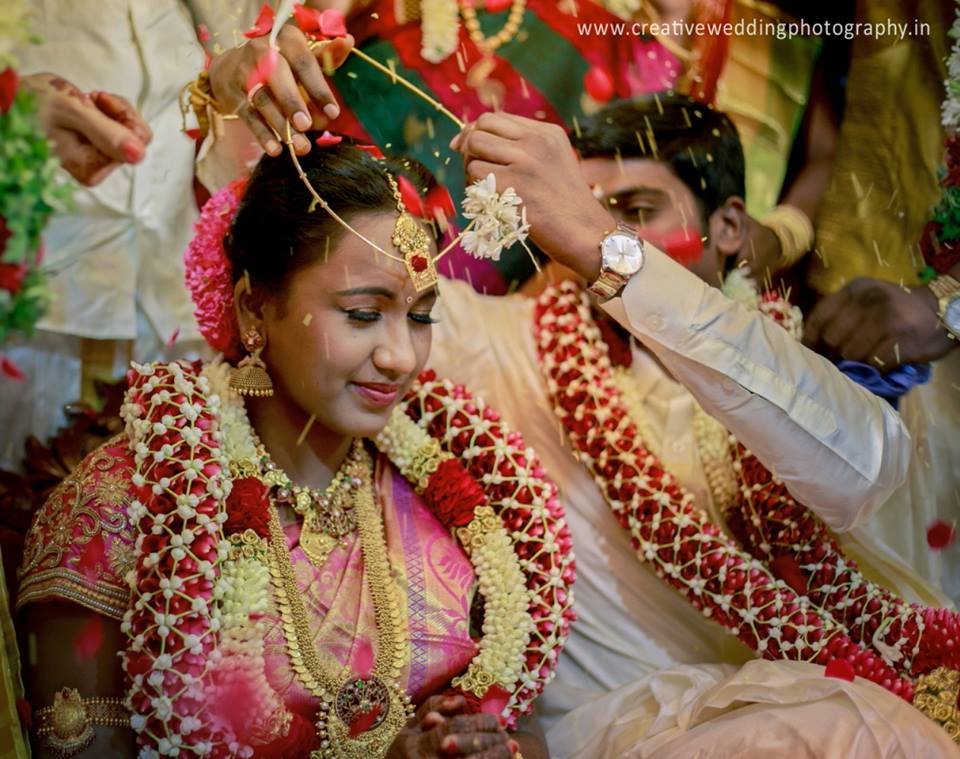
(250, 376)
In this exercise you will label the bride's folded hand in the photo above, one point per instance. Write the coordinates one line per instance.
(290, 87)
(441, 728)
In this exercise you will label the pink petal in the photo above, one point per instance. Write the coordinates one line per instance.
(172, 340)
(410, 196)
(372, 150)
(10, 369)
(598, 84)
(203, 34)
(308, 19)
(439, 203)
(263, 69)
(494, 701)
(8, 89)
(333, 23)
(264, 23)
(328, 139)
(941, 535)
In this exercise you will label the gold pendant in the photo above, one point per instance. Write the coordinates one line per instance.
(362, 721)
(316, 545)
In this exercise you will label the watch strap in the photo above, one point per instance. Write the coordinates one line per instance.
(609, 284)
(944, 286)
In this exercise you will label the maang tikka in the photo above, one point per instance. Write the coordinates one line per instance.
(250, 375)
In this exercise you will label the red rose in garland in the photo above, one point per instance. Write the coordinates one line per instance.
(248, 507)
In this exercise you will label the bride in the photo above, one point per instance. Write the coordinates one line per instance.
(282, 553)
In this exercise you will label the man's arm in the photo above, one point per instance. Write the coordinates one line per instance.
(840, 450)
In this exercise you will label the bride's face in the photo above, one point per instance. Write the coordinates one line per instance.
(349, 335)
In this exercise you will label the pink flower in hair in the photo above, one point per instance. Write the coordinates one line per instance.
(208, 271)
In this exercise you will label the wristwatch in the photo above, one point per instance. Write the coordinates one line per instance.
(621, 256)
(947, 292)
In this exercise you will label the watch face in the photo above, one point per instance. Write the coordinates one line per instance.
(622, 254)
(951, 315)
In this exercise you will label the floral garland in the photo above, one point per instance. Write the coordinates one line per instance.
(199, 577)
(940, 241)
(29, 189)
(668, 532)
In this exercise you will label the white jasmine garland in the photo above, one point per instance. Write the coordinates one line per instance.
(499, 219)
(440, 29)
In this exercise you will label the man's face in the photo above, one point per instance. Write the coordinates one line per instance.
(646, 194)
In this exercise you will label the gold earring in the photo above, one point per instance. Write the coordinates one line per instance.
(250, 376)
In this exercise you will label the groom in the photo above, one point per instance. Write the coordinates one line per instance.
(673, 168)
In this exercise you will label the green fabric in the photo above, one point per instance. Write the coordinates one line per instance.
(13, 744)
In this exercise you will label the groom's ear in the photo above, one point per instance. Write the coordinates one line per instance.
(729, 227)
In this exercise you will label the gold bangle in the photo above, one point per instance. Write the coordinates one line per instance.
(793, 229)
(67, 726)
(197, 96)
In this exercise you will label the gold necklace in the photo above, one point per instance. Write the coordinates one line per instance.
(487, 45)
(328, 514)
(358, 717)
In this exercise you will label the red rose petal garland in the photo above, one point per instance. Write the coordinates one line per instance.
(180, 485)
(668, 532)
(514, 485)
(193, 519)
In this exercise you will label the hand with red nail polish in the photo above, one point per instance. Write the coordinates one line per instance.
(443, 728)
(92, 133)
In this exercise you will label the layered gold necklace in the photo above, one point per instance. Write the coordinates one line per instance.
(328, 513)
(359, 715)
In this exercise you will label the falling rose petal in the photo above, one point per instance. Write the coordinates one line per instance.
(203, 34)
(207, 58)
(193, 134)
(494, 701)
(172, 340)
(372, 150)
(89, 640)
(840, 669)
(941, 535)
(10, 369)
(264, 23)
(598, 84)
(8, 89)
(308, 19)
(333, 23)
(327, 139)
(439, 204)
(263, 69)
(410, 196)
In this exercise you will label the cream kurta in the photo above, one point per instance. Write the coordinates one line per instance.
(631, 625)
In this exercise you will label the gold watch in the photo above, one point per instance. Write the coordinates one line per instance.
(621, 256)
(946, 290)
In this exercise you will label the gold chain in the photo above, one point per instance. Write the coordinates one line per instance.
(327, 679)
(488, 45)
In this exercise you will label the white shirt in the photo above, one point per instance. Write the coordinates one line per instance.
(119, 249)
(824, 435)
